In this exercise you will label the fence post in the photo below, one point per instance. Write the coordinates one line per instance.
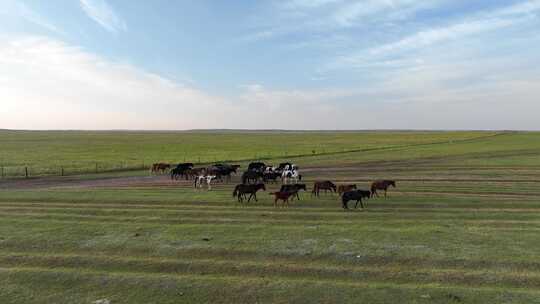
(96, 167)
(26, 172)
(61, 171)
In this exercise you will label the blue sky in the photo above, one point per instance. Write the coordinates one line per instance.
(291, 64)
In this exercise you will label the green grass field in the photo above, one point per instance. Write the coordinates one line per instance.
(46, 152)
(462, 226)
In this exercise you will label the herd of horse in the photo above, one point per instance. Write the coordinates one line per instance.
(259, 173)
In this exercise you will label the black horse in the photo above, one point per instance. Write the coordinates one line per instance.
(293, 189)
(252, 177)
(180, 170)
(271, 176)
(220, 171)
(256, 166)
(356, 195)
(241, 190)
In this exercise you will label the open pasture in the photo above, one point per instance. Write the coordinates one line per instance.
(462, 226)
(46, 152)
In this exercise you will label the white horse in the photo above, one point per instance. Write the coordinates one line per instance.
(289, 175)
(204, 179)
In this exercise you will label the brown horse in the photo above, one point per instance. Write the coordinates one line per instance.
(241, 190)
(323, 185)
(284, 196)
(381, 185)
(344, 188)
(160, 167)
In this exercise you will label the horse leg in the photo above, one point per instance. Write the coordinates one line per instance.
(255, 196)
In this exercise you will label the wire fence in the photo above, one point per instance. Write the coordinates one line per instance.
(28, 171)
(77, 168)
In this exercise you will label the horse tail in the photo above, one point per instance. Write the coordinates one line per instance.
(235, 192)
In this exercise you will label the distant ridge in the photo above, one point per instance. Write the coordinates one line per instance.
(266, 130)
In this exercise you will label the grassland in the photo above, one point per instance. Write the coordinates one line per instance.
(46, 152)
(461, 227)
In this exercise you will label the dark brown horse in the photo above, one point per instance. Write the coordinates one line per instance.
(293, 189)
(344, 188)
(241, 190)
(323, 185)
(284, 196)
(381, 185)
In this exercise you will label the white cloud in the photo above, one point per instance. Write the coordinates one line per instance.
(21, 10)
(102, 13)
(350, 14)
(54, 85)
(479, 24)
(47, 84)
(302, 4)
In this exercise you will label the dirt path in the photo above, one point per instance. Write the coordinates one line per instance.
(164, 180)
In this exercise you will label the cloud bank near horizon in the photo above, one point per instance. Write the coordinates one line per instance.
(48, 84)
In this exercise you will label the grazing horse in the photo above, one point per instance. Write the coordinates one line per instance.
(288, 175)
(251, 176)
(381, 185)
(324, 185)
(344, 188)
(293, 189)
(160, 167)
(241, 190)
(357, 196)
(284, 196)
(205, 179)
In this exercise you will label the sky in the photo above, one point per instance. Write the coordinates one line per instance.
(269, 64)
